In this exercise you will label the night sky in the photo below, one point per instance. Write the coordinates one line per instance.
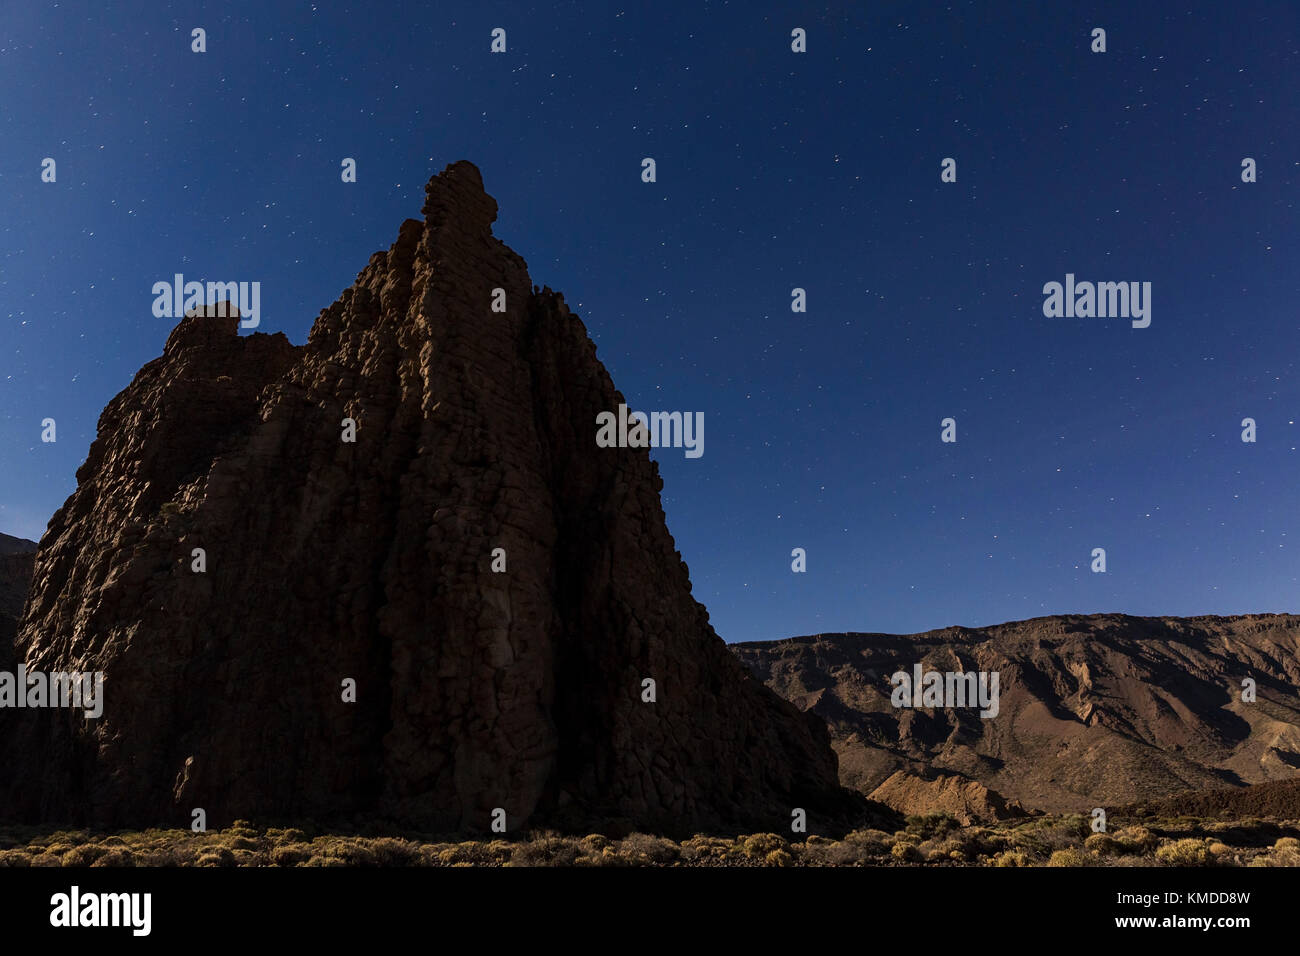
(775, 170)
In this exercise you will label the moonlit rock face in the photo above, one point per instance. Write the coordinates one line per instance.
(327, 561)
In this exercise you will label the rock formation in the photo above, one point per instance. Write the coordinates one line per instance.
(966, 801)
(326, 561)
(1094, 710)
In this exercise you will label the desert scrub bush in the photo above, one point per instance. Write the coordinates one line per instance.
(1137, 839)
(289, 836)
(845, 853)
(466, 853)
(393, 852)
(871, 842)
(84, 855)
(1188, 852)
(216, 856)
(149, 855)
(58, 849)
(857, 847)
(946, 850)
(983, 840)
(1221, 852)
(116, 856)
(593, 843)
(545, 849)
(14, 858)
(350, 851)
(778, 858)
(705, 849)
(642, 849)
(606, 856)
(929, 825)
(905, 852)
(1011, 858)
(758, 845)
(1065, 832)
(49, 857)
(291, 854)
(1071, 856)
(1103, 844)
(1285, 852)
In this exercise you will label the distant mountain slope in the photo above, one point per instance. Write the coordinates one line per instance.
(11, 545)
(1094, 710)
(1278, 798)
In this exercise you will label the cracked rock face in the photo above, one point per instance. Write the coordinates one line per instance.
(372, 561)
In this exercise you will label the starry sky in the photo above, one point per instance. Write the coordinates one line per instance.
(775, 170)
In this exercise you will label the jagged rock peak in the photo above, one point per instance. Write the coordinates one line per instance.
(390, 574)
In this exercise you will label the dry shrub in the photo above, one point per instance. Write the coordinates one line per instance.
(84, 855)
(546, 849)
(291, 854)
(905, 852)
(1188, 852)
(703, 849)
(470, 853)
(1285, 852)
(392, 852)
(642, 849)
(1071, 856)
(759, 845)
(929, 826)
(1137, 840)
(593, 843)
(778, 858)
(216, 856)
(1103, 844)
(846, 854)
(871, 842)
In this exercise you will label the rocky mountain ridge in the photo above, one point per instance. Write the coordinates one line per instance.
(1094, 710)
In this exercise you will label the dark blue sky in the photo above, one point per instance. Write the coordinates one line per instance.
(775, 170)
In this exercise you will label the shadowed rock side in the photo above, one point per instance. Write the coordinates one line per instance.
(16, 557)
(371, 560)
(1094, 710)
